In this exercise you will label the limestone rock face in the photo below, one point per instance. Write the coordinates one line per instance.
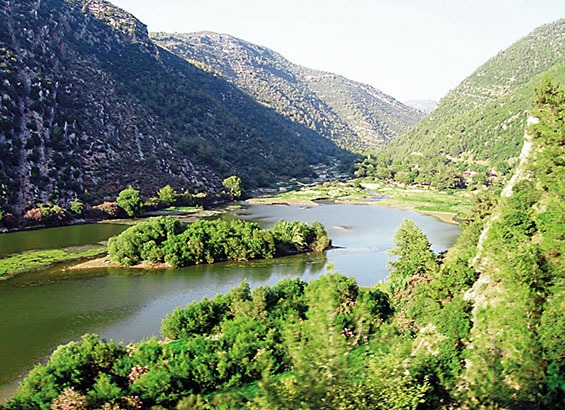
(355, 116)
(90, 104)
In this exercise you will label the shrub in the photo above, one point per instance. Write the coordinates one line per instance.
(130, 201)
(164, 240)
(45, 213)
(167, 195)
(109, 209)
(143, 241)
(77, 206)
(233, 186)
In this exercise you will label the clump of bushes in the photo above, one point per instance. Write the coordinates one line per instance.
(45, 213)
(107, 209)
(164, 239)
(264, 334)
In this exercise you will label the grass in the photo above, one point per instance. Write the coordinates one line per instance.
(445, 205)
(28, 261)
(183, 208)
(426, 200)
(342, 191)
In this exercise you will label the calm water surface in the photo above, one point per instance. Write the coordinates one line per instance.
(41, 310)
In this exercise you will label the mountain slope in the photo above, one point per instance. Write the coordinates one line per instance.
(515, 345)
(354, 115)
(479, 123)
(90, 104)
(426, 106)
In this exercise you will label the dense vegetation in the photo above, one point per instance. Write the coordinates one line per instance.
(475, 134)
(355, 116)
(164, 239)
(482, 326)
(215, 344)
(515, 354)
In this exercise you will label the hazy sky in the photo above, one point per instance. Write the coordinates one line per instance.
(410, 49)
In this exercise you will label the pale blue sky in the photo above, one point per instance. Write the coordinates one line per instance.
(410, 49)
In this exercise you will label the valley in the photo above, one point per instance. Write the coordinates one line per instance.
(189, 220)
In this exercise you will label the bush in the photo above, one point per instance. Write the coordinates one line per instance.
(143, 241)
(77, 206)
(108, 209)
(164, 240)
(45, 213)
(233, 186)
(130, 201)
(167, 195)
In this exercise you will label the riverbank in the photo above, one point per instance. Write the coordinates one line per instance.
(442, 205)
(42, 259)
(29, 260)
(106, 262)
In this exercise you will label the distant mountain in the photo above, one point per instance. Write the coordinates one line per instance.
(355, 116)
(478, 125)
(426, 106)
(90, 104)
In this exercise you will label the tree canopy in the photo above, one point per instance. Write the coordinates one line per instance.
(130, 201)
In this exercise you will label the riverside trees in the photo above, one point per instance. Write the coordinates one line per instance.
(164, 239)
(130, 201)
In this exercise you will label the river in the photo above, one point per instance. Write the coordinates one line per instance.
(41, 310)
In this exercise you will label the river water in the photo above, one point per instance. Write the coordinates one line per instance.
(41, 310)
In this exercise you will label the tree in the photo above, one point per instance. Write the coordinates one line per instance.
(414, 256)
(130, 201)
(233, 186)
(320, 348)
(77, 206)
(167, 195)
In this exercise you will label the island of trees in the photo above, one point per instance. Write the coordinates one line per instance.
(165, 239)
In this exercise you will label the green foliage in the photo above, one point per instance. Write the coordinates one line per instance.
(293, 237)
(72, 370)
(167, 195)
(478, 123)
(233, 186)
(197, 318)
(414, 256)
(522, 277)
(551, 329)
(130, 201)
(220, 345)
(163, 239)
(77, 206)
(143, 241)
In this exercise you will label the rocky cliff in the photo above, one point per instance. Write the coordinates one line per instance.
(355, 116)
(90, 104)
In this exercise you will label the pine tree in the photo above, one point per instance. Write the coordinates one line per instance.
(414, 256)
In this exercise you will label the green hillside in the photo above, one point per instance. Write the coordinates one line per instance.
(478, 126)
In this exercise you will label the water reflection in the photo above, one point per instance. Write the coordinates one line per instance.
(44, 309)
(59, 237)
